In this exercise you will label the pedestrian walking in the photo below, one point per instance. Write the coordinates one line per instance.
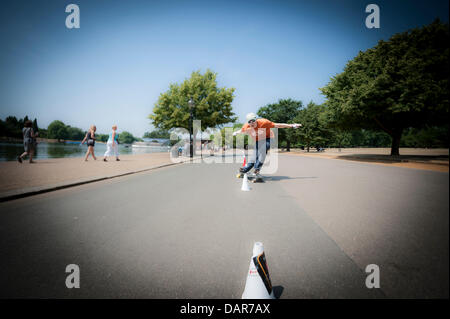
(112, 145)
(29, 144)
(90, 141)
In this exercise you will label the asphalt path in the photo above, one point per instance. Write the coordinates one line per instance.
(187, 231)
(396, 218)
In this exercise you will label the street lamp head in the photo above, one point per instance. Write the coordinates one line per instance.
(191, 103)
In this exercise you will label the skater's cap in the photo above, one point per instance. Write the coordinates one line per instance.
(251, 117)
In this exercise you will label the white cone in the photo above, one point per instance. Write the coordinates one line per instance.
(245, 186)
(258, 285)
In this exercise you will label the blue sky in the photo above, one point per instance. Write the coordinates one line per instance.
(112, 69)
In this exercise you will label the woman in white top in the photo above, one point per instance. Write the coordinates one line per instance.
(112, 144)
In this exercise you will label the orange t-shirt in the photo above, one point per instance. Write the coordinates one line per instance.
(261, 124)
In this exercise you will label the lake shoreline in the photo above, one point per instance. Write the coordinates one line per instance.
(6, 139)
(44, 150)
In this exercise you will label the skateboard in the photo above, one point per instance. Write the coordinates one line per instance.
(255, 178)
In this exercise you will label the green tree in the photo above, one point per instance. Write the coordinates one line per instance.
(2, 128)
(282, 112)
(433, 136)
(375, 138)
(13, 127)
(237, 126)
(102, 137)
(75, 133)
(229, 139)
(126, 138)
(212, 104)
(157, 134)
(315, 131)
(341, 139)
(398, 84)
(12, 120)
(43, 133)
(35, 126)
(57, 130)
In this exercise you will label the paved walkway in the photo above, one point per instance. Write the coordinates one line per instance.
(186, 231)
(394, 217)
(17, 179)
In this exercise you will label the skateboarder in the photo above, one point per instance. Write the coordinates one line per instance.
(259, 130)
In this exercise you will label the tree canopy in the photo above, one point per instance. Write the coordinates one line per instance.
(212, 104)
(127, 138)
(157, 134)
(398, 84)
(74, 133)
(282, 112)
(315, 131)
(57, 130)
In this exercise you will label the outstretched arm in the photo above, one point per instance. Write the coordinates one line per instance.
(283, 125)
(240, 131)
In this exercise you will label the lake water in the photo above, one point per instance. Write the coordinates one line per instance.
(10, 151)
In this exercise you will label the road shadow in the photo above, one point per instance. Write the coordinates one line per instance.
(278, 291)
(280, 178)
(393, 159)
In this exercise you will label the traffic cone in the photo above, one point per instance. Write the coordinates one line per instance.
(245, 186)
(258, 285)
(243, 164)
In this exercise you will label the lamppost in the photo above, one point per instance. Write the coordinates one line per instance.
(191, 128)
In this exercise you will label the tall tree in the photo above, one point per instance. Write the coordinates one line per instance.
(212, 104)
(398, 84)
(57, 130)
(13, 127)
(314, 131)
(12, 120)
(35, 126)
(282, 112)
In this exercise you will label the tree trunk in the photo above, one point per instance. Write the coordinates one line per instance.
(288, 146)
(396, 136)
